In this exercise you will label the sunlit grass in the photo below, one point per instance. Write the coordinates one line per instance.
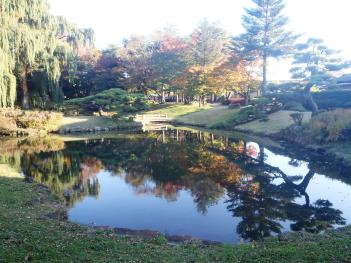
(86, 122)
(8, 171)
(208, 117)
(275, 123)
(194, 115)
(175, 110)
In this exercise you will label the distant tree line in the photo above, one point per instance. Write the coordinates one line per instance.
(44, 59)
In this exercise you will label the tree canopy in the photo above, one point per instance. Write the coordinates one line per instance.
(314, 63)
(32, 43)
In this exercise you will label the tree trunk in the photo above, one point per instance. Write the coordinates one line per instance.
(177, 97)
(261, 156)
(25, 89)
(247, 99)
(212, 98)
(311, 104)
(163, 95)
(264, 75)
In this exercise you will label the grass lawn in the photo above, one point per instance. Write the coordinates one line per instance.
(176, 110)
(89, 122)
(33, 228)
(207, 117)
(276, 122)
(86, 122)
(194, 115)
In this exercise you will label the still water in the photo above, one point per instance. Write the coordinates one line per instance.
(189, 183)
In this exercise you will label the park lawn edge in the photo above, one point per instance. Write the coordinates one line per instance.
(34, 228)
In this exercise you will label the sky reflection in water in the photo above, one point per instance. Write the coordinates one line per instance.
(192, 183)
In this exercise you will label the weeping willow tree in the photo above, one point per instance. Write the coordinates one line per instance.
(34, 43)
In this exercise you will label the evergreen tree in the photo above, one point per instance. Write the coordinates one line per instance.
(313, 63)
(265, 35)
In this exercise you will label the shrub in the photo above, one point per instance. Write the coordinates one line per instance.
(116, 100)
(330, 126)
(297, 118)
(325, 100)
(7, 126)
(12, 120)
(333, 99)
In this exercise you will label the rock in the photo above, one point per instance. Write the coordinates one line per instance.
(68, 193)
(179, 239)
(282, 237)
(77, 129)
(210, 242)
(58, 215)
(28, 179)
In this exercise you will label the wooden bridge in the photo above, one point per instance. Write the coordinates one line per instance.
(155, 127)
(149, 118)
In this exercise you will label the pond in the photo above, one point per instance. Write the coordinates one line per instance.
(188, 183)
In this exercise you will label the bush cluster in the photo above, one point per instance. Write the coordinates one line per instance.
(333, 99)
(326, 127)
(113, 100)
(330, 126)
(12, 120)
(326, 100)
(257, 110)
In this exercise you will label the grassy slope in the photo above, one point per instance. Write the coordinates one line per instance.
(175, 110)
(276, 122)
(89, 122)
(193, 115)
(86, 122)
(212, 114)
(28, 234)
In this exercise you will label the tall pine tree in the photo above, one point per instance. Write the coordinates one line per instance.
(265, 35)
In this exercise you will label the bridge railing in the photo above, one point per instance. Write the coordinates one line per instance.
(151, 117)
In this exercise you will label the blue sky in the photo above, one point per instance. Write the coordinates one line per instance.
(113, 20)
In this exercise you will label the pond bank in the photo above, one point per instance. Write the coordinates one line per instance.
(269, 128)
(34, 227)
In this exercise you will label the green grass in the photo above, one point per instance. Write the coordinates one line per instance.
(276, 122)
(194, 115)
(86, 122)
(176, 110)
(89, 122)
(33, 228)
(208, 117)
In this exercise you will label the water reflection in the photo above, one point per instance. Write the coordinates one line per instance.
(258, 187)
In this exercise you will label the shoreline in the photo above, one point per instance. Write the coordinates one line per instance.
(33, 214)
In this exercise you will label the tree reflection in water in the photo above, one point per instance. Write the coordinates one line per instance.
(162, 164)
